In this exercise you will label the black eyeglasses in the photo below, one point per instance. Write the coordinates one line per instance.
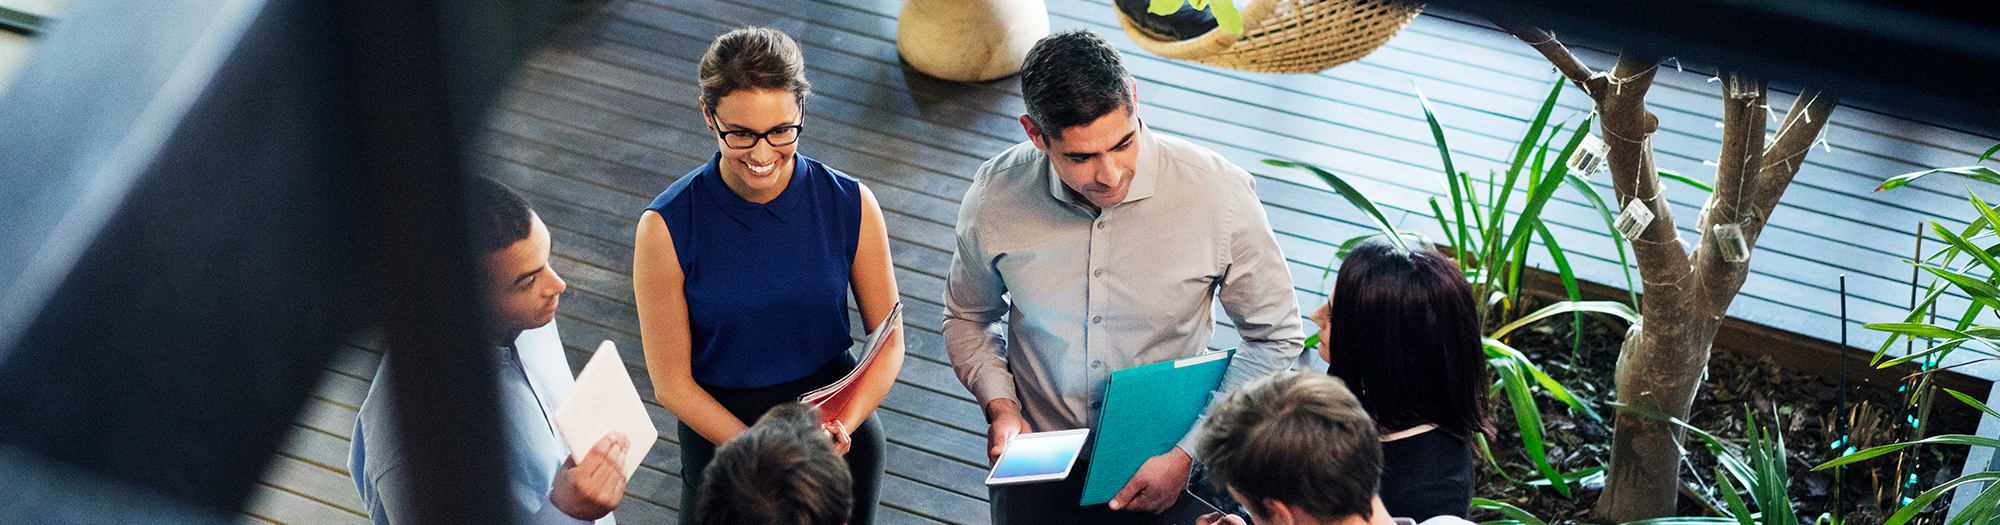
(778, 137)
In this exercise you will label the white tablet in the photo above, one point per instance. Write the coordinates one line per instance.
(1038, 456)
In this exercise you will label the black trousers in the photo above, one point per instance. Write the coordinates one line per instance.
(1055, 502)
(864, 457)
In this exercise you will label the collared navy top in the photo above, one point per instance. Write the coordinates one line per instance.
(766, 284)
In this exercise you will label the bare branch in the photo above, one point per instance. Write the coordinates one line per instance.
(1628, 129)
(1744, 114)
(1566, 62)
(1787, 154)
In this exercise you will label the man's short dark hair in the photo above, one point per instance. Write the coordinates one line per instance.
(781, 471)
(497, 216)
(1072, 78)
(1298, 437)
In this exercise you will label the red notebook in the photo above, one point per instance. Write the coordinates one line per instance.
(834, 400)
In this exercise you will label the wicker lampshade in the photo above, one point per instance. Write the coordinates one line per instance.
(1290, 36)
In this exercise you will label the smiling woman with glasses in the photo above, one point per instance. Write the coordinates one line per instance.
(742, 270)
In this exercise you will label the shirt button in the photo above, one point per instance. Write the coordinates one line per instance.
(1098, 273)
(1096, 320)
(1097, 364)
(1100, 225)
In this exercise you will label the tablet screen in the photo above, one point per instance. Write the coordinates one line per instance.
(1040, 456)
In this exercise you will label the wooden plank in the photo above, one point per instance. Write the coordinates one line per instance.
(314, 482)
(355, 362)
(342, 389)
(268, 504)
(655, 486)
(326, 416)
(967, 447)
(886, 515)
(639, 511)
(931, 502)
(317, 448)
(931, 469)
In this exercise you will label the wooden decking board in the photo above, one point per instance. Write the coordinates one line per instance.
(931, 502)
(355, 362)
(277, 505)
(834, 70)
(830, 153)
(894, 516)
(656, 486)
(700, 23)
(954, 444)
(650, 68)
(314, 482)
(644, 512)
(318, 448)
(325, 416)
(593, 207)
(611, 175)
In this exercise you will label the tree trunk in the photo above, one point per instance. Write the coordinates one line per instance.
(1686, 293)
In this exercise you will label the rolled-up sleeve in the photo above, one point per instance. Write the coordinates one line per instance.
(975, 305)
(1257, 295)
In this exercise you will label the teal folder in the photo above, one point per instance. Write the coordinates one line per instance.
(1146, 410)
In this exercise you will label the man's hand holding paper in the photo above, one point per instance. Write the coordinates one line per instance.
(591, 489)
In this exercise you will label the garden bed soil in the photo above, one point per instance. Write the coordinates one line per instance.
(1805, 408)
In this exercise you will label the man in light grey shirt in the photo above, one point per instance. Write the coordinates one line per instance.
(1102, 245)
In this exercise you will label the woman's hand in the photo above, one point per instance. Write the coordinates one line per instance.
(837, 431)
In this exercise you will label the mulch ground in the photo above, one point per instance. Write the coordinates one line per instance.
(1805, 407)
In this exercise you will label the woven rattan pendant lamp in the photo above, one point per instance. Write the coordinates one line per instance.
(1289, 36)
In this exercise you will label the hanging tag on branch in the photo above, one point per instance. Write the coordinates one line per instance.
(1589, 156)
(1742, 87)
(1634, 219)
(1729, 239)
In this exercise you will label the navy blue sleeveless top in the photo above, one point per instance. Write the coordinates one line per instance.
(766, 284)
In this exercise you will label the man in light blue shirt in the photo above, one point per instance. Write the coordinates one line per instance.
(1096, 246)
(547, 487)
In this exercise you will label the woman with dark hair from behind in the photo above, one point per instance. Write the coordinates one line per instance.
(1401, 330)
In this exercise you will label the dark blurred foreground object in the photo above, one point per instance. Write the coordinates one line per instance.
(1930, 59)
(21, 22)
(202, 200)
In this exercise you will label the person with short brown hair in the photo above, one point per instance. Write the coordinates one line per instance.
(1297, 448)
(780, 471)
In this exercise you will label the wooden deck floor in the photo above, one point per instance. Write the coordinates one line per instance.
(604, 118)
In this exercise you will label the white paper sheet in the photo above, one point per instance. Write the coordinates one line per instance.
(605, 400)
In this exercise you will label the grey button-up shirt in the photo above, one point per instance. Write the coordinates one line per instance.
(1083, 294)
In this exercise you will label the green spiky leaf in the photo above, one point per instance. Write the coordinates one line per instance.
(1980, 173)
